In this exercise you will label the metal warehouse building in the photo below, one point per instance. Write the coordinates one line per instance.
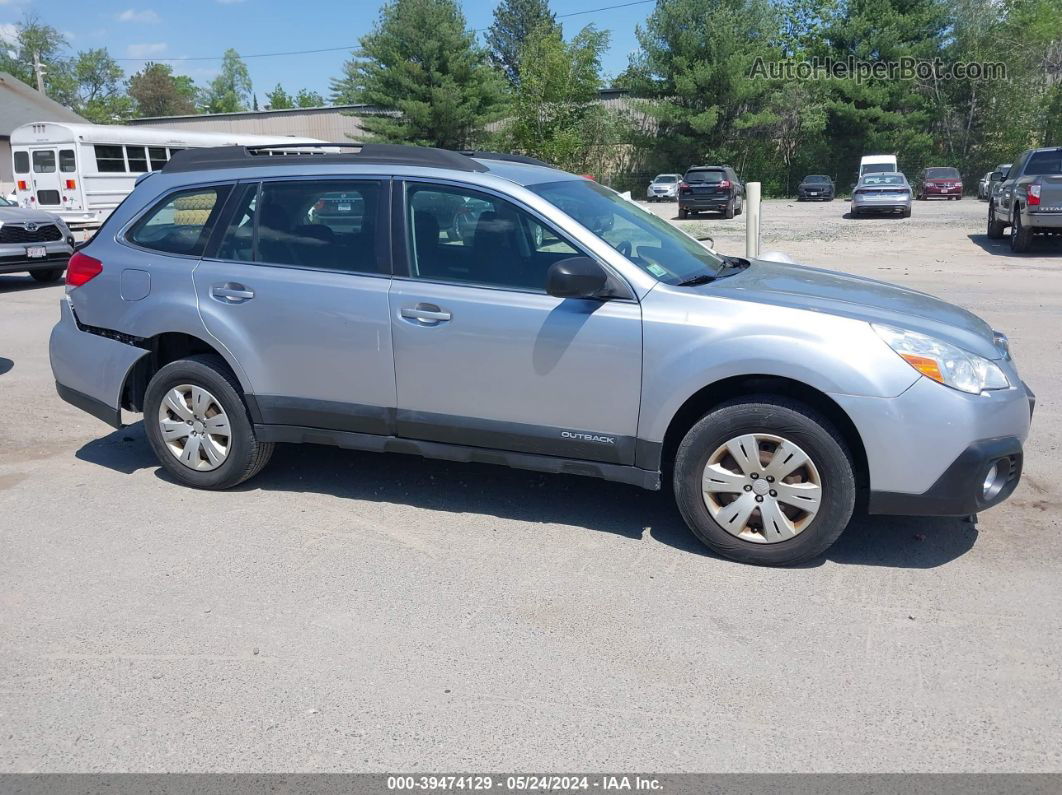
(336, 123)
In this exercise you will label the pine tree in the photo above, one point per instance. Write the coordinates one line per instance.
(514, 22)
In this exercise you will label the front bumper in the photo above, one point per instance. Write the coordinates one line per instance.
(821, 195)
(13, 259)
(928, 449)
(933, 190)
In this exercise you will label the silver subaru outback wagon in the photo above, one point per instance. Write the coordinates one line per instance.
(488, 308)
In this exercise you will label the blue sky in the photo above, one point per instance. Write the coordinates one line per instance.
(164, 29)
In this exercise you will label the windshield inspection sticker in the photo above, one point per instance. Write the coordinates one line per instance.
(657, 271)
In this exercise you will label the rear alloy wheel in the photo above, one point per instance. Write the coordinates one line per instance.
(47, 275)
(995, 228)
(198, 427)
(765, 481)
(1020, 235)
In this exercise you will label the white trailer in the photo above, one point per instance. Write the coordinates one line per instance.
(81, 172)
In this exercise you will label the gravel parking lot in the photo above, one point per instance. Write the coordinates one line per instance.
(349, 611)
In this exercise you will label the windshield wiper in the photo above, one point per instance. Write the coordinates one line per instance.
(733, 265)
(702, 278)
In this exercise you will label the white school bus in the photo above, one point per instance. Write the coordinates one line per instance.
(81, 172)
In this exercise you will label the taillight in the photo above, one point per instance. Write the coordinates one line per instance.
(724, 183)
(81, 269)
(70, 184)
(1034, 195)
(683, 186)
(22, 184)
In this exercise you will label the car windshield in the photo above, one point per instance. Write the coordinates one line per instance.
(884, 179)
(942, 173)
(670, 179)
(5, 203)
(650, 242)
(814, 179)
(1045, 163)
(705, 175)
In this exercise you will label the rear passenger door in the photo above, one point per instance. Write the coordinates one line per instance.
(295, 286)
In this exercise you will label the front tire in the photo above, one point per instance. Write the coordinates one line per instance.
(47, 275)
(995, 228)
(765, 480)
(197, 424)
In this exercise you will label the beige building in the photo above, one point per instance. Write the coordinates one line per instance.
(20, 104)
(335, 123)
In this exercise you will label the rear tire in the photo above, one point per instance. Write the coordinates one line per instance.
(728, 212)
(1020, 235)
(684, 213)
(243, 455)
(48, 274)
(906, 213)
(805, 432)
(995, 228)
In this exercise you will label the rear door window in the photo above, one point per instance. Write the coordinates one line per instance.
(44, 162)
(66, 161)
(180, 223)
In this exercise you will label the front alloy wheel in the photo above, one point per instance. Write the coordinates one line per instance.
(761, 488)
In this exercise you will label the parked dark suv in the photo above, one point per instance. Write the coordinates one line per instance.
(816, 187)
(715, 188)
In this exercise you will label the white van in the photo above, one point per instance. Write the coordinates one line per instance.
(81, 172)
(877, 164)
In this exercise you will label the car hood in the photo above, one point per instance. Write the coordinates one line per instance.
(818, 290)
(18, 215)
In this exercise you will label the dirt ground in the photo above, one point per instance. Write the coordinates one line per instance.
(347, 611)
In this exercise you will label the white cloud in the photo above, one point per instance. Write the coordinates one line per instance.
(8, 32)
(145, 50)
(132, 15)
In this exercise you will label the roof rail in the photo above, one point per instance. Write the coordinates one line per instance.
(505, 157)
(199, 159)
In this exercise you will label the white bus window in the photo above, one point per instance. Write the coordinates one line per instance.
(157, 155)
(110, 159)
(66, 161)
(21, 162)
(137, 158)
(44, 162)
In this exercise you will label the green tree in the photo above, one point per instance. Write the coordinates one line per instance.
(696, 66)
(556, 115)
(230, 91)
(32, 37)
(279, 99)
(514, 22)
(420, 63)
(100, 94)
(308, 99)
(157, 91)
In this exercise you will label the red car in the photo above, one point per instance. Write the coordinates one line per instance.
(945, 183)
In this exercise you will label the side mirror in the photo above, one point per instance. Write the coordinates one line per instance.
(575, 277)
(996, 176)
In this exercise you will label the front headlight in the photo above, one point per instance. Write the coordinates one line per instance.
(942, 362)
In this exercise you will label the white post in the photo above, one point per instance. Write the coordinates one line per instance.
(752, 219)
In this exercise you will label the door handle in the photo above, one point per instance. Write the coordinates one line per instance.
(425, 313)
(231, 293)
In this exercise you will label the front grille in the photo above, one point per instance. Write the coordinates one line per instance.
(10, 233)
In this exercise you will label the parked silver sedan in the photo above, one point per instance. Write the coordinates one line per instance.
(664, 187)
(882, 193)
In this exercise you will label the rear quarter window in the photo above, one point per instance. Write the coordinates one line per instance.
(181, 222)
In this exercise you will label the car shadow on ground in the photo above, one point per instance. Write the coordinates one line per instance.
(5, 365)
(15, 282)
(1041, 246)
(532, 497)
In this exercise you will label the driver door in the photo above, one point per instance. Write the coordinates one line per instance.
(483, 356)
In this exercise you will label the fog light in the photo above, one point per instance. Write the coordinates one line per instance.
(994, 482)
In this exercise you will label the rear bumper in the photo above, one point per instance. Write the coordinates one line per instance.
(89, 369)
(881, 207)
(1042, 220)
(706, 203)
